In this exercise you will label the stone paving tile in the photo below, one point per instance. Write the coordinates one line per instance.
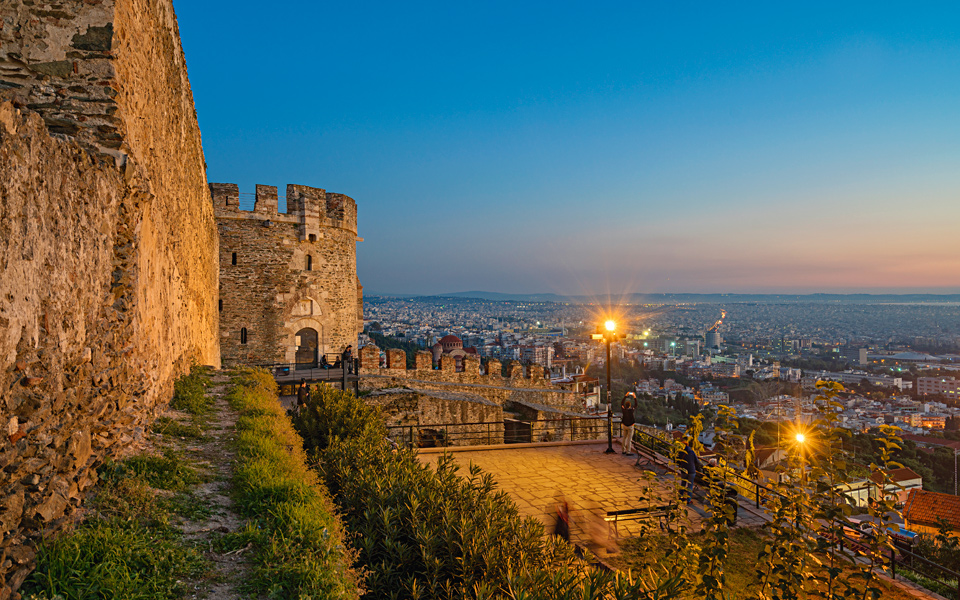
(593, 483)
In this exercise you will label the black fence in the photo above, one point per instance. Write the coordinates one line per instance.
(902, 558)
(289, 375)
(507, 431)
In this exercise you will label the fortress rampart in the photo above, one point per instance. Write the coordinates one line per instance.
(108, 274)
(509, 388)
(288, 285)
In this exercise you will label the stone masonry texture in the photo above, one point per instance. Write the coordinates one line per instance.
(108, 248)
(425, 396)
(281, 273)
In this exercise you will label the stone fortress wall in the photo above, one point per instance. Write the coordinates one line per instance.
(108, 270)
(288, 281)
(426, 396)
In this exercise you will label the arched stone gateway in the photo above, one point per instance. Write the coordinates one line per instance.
(307, 345)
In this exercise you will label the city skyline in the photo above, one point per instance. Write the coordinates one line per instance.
(607, 149)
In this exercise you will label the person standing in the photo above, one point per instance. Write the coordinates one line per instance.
(303, 393)
(627, 423)
(689, 465)
(347, 358)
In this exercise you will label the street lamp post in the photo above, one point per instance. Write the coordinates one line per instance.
(608, 336)
(609, 449)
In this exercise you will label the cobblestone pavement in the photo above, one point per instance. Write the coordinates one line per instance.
(592, 482)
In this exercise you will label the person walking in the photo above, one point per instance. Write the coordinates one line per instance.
(561, 527)
(627, 423)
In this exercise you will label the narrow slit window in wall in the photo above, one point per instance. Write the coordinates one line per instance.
(243, 335)
(220, 305)
(234, 259)
(309, 263)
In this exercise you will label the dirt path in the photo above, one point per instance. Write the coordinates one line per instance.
(217, 518)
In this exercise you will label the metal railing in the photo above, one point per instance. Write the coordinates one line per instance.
(286, 369)
(507, 431)
(901, 557)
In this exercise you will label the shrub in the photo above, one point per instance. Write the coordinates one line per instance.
(300, 550)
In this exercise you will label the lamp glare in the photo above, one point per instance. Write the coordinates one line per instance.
(610, 325)
(801, 438)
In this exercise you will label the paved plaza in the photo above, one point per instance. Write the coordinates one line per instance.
(593, 483)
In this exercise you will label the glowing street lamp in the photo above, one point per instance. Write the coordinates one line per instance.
(801, 438)
(608, 336)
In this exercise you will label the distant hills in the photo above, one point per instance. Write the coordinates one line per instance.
(708, 298)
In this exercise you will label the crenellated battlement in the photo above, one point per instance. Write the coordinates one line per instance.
(471, 370)
(314, 209)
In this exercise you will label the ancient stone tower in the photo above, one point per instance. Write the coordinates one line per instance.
(288, 281)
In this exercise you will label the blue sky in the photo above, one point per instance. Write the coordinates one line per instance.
(601, 147)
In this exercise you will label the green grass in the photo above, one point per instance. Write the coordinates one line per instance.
(114, 559)
(189, 506)
(174, 428)
(300, 549)
(189, 392)
(169, 471)
(126, 548)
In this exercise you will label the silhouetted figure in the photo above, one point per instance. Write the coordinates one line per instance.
(324, 363)
(347, 357)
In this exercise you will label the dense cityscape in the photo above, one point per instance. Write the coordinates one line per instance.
(896, 360)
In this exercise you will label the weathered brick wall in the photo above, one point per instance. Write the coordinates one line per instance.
(265, 285)
(108, 275)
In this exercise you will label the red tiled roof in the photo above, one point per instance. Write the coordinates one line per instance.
(902, 474)
(925, 508)
(933, 441)
(450, 339)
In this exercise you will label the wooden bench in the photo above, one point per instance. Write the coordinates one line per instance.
(638, 514)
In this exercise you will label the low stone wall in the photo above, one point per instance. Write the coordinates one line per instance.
(412, 408)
